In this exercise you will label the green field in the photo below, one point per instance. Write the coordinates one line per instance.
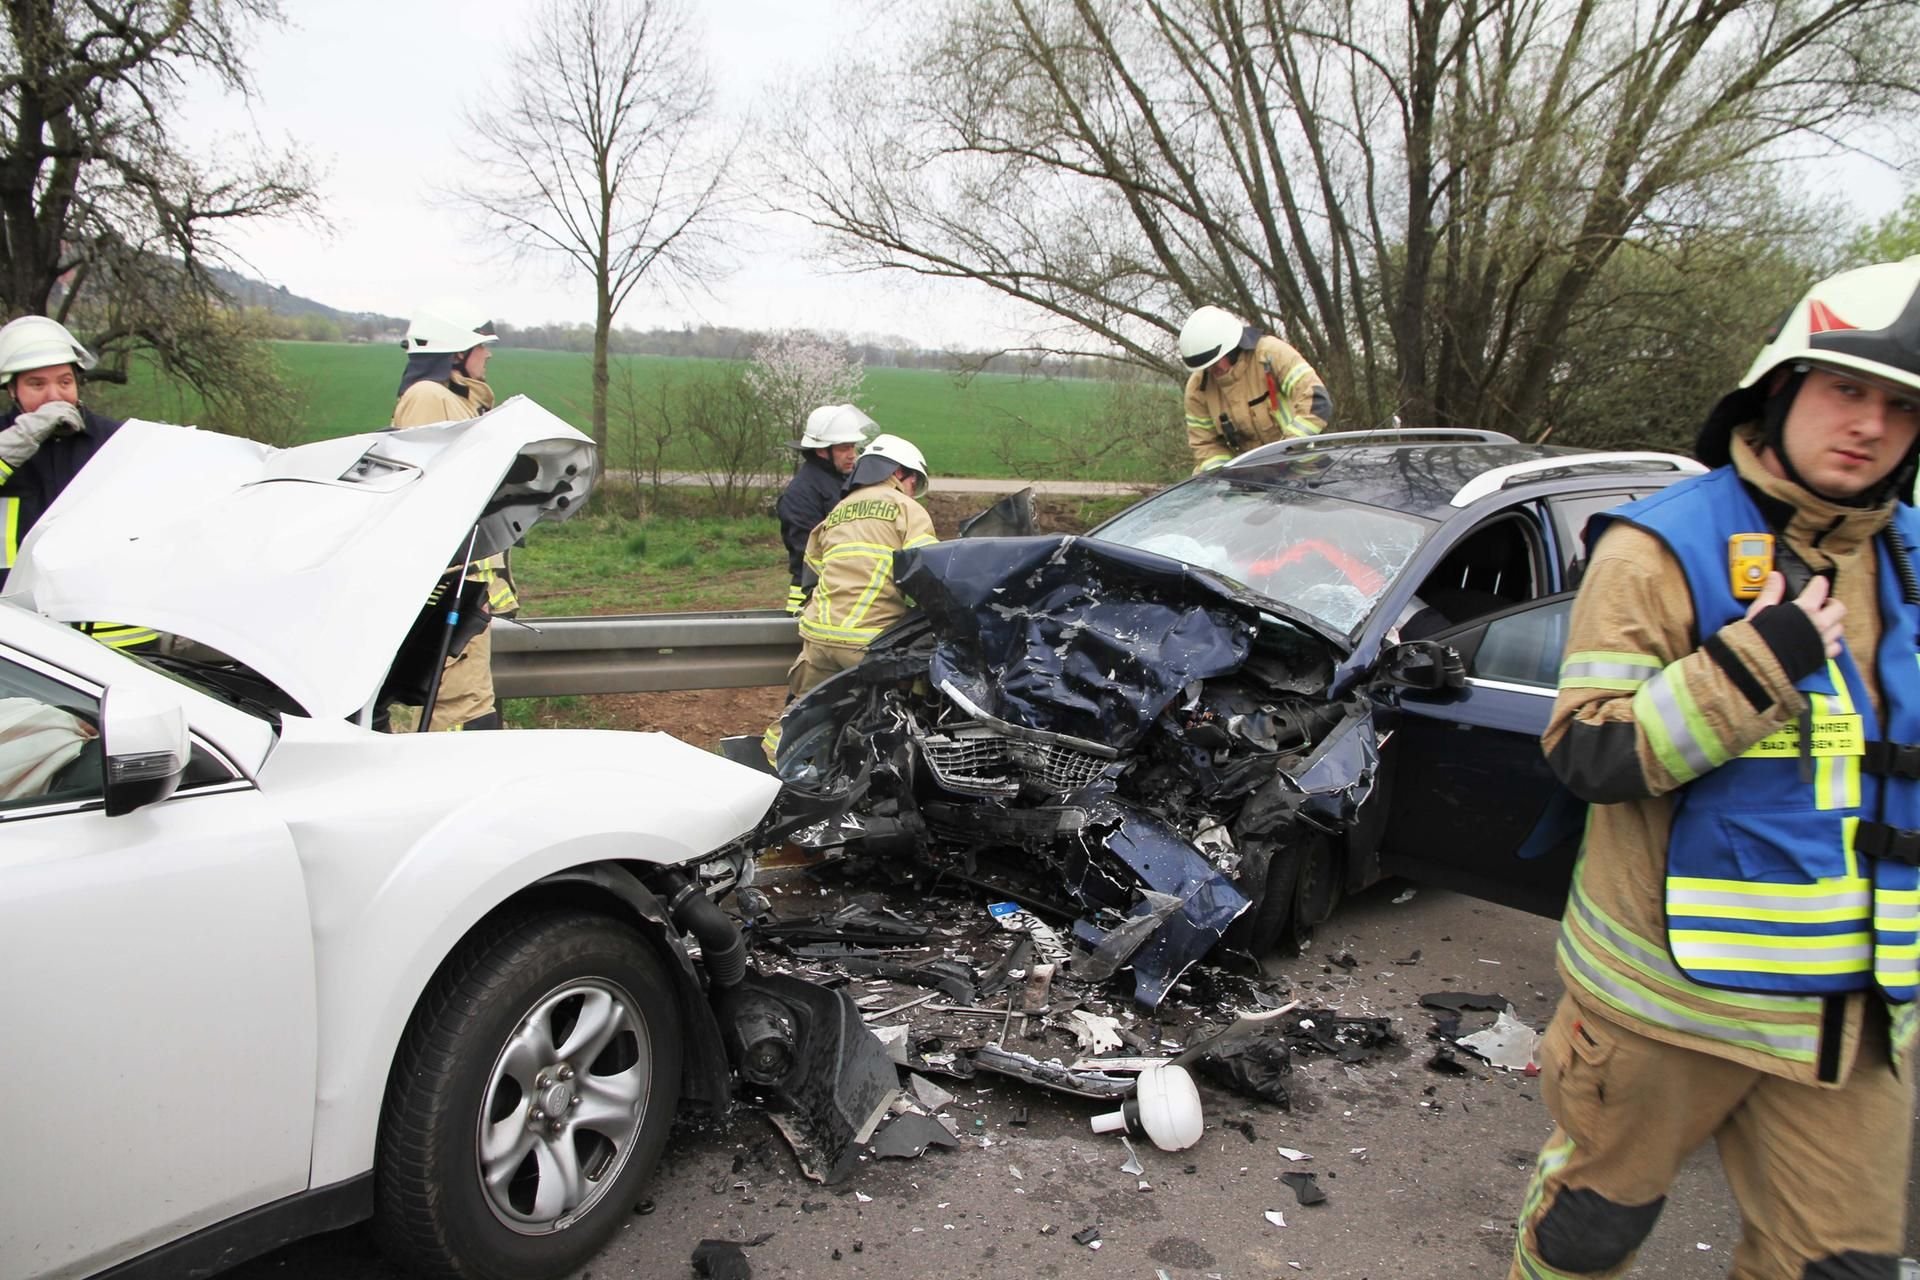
(966, 426)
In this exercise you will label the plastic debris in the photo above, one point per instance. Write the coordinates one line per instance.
(1096, 1034)
(1275, 1217)
(1165, 1108)
(894, 1038)
(1047, 942)
(721, 1260)
(927, 1093)
(1404, 896)
(1133, 1165)
(1295, 1156)
(907, 1137)
(1508, 1044)
(1306, 1187)
(1088, 1236)
(1463, 1001)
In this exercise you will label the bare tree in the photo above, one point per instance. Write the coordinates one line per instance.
(591, 155)
(1422, 194)
(108, 223)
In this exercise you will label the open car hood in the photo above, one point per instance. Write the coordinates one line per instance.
(309, 565)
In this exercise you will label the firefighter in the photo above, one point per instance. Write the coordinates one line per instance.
(849, 563)
(46, 438)
(446, 381)
(1246, 389)
(828, 449)
(1740, 704)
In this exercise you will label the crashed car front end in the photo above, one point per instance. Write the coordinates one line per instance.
(1102, 733)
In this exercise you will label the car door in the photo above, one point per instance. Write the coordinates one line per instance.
(1474, 805)
(156, 993)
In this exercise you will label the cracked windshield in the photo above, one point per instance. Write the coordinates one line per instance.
(1327, 558)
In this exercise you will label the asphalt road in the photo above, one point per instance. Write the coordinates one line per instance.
(1424, 1172)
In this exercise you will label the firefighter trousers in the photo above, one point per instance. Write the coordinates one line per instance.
(1820, 1174)
(465, 699)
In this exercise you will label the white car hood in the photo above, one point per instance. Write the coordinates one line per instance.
(308, 565)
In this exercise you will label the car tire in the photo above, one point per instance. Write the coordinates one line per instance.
(476, 1177)
(1298, 892)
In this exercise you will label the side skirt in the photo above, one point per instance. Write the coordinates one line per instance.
(214, 1249)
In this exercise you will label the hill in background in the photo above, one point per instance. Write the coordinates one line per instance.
(287, 315)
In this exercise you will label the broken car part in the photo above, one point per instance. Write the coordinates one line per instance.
(1165, 1108)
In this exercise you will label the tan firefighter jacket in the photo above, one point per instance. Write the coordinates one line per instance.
(425, 403)
(1270, 393)
(1633, 619)
(851, 553)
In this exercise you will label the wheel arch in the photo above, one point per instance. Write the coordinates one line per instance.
(354, 1078)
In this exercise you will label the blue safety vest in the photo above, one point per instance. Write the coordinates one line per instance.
(1791, 866)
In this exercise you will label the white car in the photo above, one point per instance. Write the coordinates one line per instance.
(264, 972)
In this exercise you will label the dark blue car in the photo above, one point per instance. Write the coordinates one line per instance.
(1273, 683)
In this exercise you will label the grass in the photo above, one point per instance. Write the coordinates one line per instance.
(957, 422)
(678, 557)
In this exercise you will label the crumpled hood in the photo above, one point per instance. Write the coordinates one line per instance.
(308, 565)
(1072, 635)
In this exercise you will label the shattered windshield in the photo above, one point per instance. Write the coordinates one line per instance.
(1326, 557)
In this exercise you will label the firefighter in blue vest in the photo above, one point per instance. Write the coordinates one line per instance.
(1740, 703)
(45, 438)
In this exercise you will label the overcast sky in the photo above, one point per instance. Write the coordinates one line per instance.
(373, 91)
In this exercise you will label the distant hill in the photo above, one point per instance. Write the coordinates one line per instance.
(281, 301)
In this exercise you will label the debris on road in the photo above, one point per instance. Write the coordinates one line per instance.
(1276, 1218)
(1508, 1044)
(1165, 1108)
(1306, 1187)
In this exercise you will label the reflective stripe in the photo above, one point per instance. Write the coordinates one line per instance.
(1826, 903)
(10, 540)
(1625, 973)
(1198, 423)
(1553, 1158)
(1292, 380)
(1675, 728)
(6, 472)
(1904, 1032)
(118, 635)
(1772, 953)
(1598, 669)
(1837, 779)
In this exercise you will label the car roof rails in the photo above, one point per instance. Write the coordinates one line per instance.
(1385, 435)
(1488, 482)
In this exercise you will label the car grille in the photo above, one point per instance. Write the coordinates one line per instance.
(975, 760)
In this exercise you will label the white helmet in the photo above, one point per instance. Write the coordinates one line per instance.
(448, 327)
(833, 424)
(1866, 320)
(1208, 334)
(37, 342)
(889, 452)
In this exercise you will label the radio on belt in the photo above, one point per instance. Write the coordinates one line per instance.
(1749, 561)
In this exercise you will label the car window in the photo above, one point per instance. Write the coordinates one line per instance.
(1326, 557)
(1524, 647)
(49, 740)
(1495, 566)
(1570, 515)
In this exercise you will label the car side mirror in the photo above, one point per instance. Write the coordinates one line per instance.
(143, 735)
(1426, 665)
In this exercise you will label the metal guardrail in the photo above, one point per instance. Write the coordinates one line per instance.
(642, 653)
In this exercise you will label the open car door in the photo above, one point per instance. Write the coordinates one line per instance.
(1474, 806)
